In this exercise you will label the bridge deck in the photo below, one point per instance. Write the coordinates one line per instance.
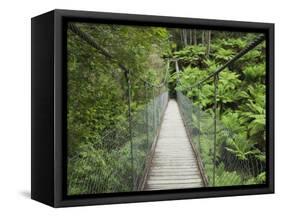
(174, 164)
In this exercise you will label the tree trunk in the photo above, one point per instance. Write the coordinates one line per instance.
(194, 37)
(203, 37)
(181, 37)
(190, 37)
(184, 34)
(208, 44)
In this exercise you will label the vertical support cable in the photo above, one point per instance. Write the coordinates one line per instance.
(215, 127)
(177, 70)
(191, 111)
(153, 99)
(199, 116)
(146, 114)
(158, 108)
(130, 127)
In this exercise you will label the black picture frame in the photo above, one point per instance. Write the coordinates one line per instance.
(48, 164)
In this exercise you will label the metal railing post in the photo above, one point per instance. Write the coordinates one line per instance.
(191, 111)
(199, 116)
(177, 70)
(215, 127)
(130, 128)
(146, 114)
(153, 99)
(158, 108)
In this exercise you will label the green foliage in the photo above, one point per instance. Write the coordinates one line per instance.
(227, 178)
(240, 147)
(99, 168)
(254, 73)
(259, 179)
(191, 56)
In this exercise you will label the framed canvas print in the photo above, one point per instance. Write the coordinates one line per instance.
(130, 108)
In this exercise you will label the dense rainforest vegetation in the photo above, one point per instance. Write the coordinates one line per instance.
(99, 144)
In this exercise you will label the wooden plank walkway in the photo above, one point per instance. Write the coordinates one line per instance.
(174, 164)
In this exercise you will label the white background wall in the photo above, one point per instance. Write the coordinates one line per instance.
(15, 106)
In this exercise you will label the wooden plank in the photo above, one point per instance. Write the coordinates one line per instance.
(174, 177)
(185, 171)
(170, 160)
(171, 186)
(187, 181)
(174, 174)
(174, 163)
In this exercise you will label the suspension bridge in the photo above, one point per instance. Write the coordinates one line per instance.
(173, 143)
(174, 163)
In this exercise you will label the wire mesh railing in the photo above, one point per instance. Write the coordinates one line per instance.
(145, 128)
(122, 165)
(220, 166)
